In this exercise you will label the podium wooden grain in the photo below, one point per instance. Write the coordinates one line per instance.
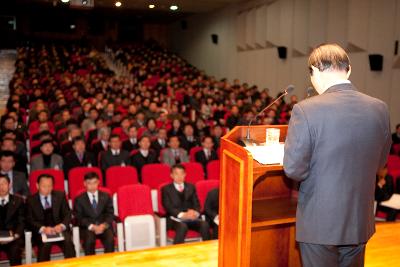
(257, 207)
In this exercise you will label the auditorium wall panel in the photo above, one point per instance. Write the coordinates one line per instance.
(247, 47)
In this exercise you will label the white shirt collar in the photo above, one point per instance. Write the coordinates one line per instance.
(176, 185)
(7, 198)
(115, 151)
(144, 153)
(96, 195)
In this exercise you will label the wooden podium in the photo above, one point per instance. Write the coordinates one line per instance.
(257, 206)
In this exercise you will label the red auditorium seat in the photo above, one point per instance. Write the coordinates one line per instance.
(155, 174)
(117, 176)
(194, 172)
(393, 162)
(192, 153)
(213, 170)
(202, 189)
(58, 179)
(134, 200)
(76, 178)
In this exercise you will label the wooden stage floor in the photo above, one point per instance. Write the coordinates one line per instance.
(382, 251)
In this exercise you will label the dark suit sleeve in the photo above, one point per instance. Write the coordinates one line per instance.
(19, 228)
(298, 146)
(79, 210)
(195, 199)
(34, 223)
(65, 212)
(109, 211)
(167, 202)
(104, 162)
(210, 204)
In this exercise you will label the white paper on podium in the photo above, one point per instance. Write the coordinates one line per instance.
(393, 202)
(267, 154)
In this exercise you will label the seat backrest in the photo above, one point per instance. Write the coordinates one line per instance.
(161, 210)
(202, 189)
(76, 177)
(192, 153)
(117, 176)
(194, 172)
(213, 170)
(134, 200)
(393, 162)
(58, 179)
(155, 174)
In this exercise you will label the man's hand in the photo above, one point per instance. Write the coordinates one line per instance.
(381, 181)
(49, 231)
(192, 214)
(58, 228)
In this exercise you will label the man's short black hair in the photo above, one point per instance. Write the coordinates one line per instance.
(77, 139)
(46, 141)
(6, 154)
(45, 176)
(5, 176)
(114, 136)
(178, 166)
(91, 175)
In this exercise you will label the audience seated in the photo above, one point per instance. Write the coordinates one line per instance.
(174, 154)
(46, 159)
(207, 154)
(95, 215)
(384, 190)
(79, 157)
(182, 206)
(48, 214)
(132, 142)
(143, 156)
(18, 180)
(12, 222)
(114, 156)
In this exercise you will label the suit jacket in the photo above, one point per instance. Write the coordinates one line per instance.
(187, 145)
(156, 146)
(15, 219)
(20, 184)
(211, 206)
(201, 158)
(174, 204)
(108, 159)
(35, 215)
(97, 148)
(66, 148)
(71, 161)
(336, 143)
(138, 161)
(168, 156)
(37, 162)
(128, 146)
(86, 215)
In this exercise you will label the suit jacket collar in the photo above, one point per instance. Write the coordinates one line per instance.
(54, 204)
(100, 203)
(340, 87)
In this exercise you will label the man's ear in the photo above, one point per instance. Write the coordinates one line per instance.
(349, 72)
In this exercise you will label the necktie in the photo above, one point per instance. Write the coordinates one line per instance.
(46, 203)
(94, 202)
(80, 157)
(3, 202)
(180, 188)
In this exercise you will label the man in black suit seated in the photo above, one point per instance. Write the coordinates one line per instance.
(11, 222)
(182, 206)
(95, 214)
(132, 142)
(188, 140)
(79, 157)
(144, 156)
(211, 209)
(115, 156)
(20, 159)
(48, 213)
(161, 142)
(18, 181)
(207, 154)
(102, 144)
(67, 147)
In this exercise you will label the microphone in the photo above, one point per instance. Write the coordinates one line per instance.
(248, 141)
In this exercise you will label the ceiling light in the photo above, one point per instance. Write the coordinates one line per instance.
(118, 4)
(151, 6)
(173, 7)
(65, 1)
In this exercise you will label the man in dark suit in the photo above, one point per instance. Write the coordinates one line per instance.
(48, 213)
(20, 159)
(211, 209)
(188, 140)
(132, 142)
(144, 156)
(102, 144)
(334, 148)
(11, 221)
(19, 183)
(182, 206)
(161, 142)
(207, 154)
(79, 157)
(95, 214)
(115, 156)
